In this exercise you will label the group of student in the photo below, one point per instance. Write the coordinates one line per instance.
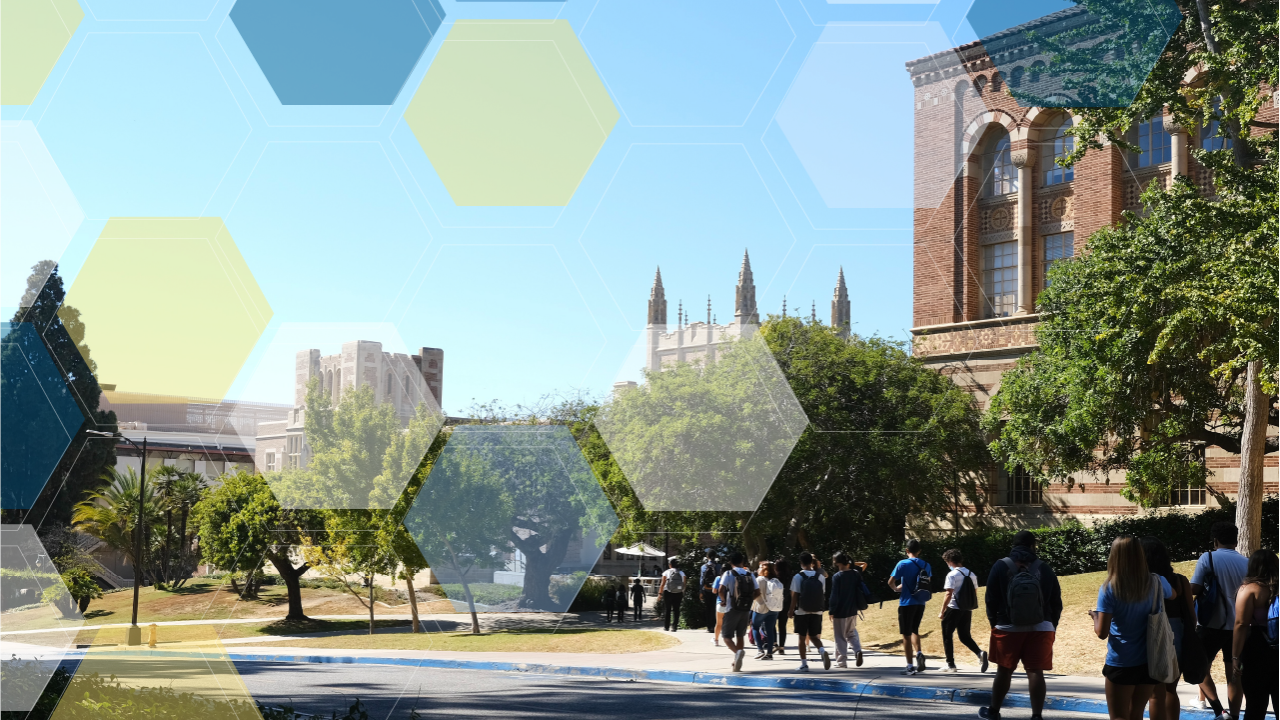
(1159, 625)
(615, 599)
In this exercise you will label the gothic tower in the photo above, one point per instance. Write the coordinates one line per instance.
(657, 302)
(840, 314)
(744, 302)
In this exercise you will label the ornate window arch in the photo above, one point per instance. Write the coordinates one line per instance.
(999, 176)
(1056, 144)
(1155, 145)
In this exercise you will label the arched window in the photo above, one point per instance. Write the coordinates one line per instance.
(980, 84)
(996, 79)
(1213, 136)
(328, 383)
(999, 175)
(1057, 144)
(1036, 68)
(1155, 145)
(1015, 77)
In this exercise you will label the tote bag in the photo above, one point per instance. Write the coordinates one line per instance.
(1162, 658)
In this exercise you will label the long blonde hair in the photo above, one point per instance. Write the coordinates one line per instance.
(1127, 572)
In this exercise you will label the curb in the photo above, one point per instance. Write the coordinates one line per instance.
(851, 687)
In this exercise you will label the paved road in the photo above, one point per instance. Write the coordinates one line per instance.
(395, 692)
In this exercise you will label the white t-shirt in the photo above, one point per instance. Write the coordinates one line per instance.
(670, 573)
(727, 581)
(795, 587)
(955, 580)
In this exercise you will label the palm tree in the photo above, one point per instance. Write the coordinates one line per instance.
(184, 493)
(110, 513)
(166, 476)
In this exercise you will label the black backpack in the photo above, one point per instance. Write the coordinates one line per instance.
(1024, 597)
(744, 591)
(812, 599)
(967, 595)
(1211, 597)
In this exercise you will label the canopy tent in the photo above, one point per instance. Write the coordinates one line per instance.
(640, 551)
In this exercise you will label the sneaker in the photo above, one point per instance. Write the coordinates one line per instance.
(767, 657)
(737, 660)
(920, 662)
(826, 659)
(780, 650)
(760, 655)
(951, 669)
(911, 670)
(988, 714)
(985, 661)
(857, 658)
(842, 664)
(804, 667)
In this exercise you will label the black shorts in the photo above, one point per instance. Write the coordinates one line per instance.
(1136, 675)
(909, 617)
(1214, 641)
(735, 624)
(808, 625)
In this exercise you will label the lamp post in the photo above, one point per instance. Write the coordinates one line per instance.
(135, 632)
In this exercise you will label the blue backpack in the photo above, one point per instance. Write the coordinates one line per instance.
(1211, 597)
(1273, 617)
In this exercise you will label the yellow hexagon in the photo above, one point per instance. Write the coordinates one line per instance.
(169, 306)
(511, 112)
(32, 36)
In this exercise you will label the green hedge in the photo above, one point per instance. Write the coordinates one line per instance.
(1073, 548)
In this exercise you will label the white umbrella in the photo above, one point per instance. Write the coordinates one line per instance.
(640, 551)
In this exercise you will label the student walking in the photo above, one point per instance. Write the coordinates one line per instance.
(1024, 604)
(623, 593)
(738, 592)
(848, 597)
(958, 605)
(808, 599)
(721, 609)
(637, 598)
(1182, 619)
(1253, 643)
(783, 569)
(671, 590)
(911, 578)
(1214, 584)
(610, 600)
(1124, 603)
(764, 615)
(707, 576)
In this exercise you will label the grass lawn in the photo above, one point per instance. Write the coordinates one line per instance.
(1076, 650)
(573, 640)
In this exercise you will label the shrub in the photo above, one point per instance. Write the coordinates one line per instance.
(484, 593)
(591, 595)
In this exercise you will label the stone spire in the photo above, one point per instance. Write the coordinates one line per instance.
(744, 301)
(680, 314)
(840, 314)
(813, 311)
(657, 302)
(708, 310)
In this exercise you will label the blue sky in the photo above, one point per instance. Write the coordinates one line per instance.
(782, 127)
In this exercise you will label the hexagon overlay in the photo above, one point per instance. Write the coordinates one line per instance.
(1058, 53)
(354, 439)
(32, 36)
(325, 52)
(511, 518)
(38, 415)
(699, 435)
(170, 306)
(38, 618)
(511, 112)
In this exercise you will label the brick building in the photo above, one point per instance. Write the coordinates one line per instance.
(993, 212)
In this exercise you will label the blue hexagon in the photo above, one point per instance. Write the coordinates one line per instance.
(325, 52)
(511, 518)
(1062, 53)
(38, 415)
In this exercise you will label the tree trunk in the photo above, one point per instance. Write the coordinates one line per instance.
(1252, 450)
(235, 587)
(413, 599)
(291, 576)
(371, 604)
(184, 543)
(538, 566)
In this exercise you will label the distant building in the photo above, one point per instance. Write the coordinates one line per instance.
(405, 381)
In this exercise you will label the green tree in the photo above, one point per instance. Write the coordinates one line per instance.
(87, 457)
(1160, 340)
(110, 514)
(241, 524)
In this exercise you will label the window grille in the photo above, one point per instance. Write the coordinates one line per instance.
(1020, 488)
(1155, 145)
(1057, 247)
(1000, 278)
(1002, 176)
(1187, 496)
(1057, 146)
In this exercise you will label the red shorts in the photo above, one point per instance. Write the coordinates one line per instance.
(1033, 649)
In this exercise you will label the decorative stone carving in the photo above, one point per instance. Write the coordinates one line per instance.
(1022, 158)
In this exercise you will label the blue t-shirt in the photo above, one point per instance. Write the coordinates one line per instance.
(1127, 638)
(906, 573)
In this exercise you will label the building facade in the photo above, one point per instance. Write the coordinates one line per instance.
(993, 212)
(404, 381)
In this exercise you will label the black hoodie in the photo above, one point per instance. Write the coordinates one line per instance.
(998, 588)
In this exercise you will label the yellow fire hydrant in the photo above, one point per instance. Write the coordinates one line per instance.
(151, 634)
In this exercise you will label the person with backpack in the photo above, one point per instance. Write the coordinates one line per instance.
(1253, 644)
(783, 569)
(912, 579)
(849, 596)
(1024, 604)
(961, 600)
(1125, 602)
(671, 590)
(1164, 698)
(764, 615)
(808, 601)
(610, 600)
(707, 575)
(738, 592)
(637, 598)
(1214, 583)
